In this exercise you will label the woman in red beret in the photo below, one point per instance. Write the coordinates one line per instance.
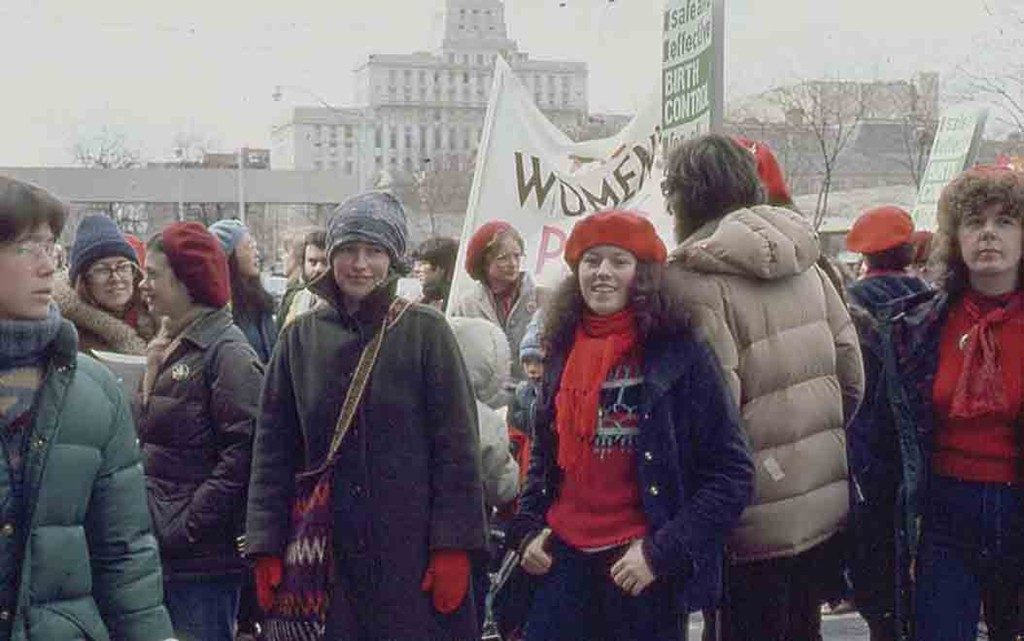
(502, 293)
(639, 467)
(195, 414)
(957, 395)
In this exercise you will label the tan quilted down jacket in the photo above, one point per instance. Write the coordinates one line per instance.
(792, 359)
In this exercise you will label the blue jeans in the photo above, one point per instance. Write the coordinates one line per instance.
(203, 609)
(578, 601)
(972, 540)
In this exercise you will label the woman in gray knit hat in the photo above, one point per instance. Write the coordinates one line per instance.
(407, 499)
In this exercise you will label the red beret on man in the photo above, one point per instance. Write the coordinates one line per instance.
(769, 171)
(480, 241)
(199, 261)
(626, 229)
(879, 229)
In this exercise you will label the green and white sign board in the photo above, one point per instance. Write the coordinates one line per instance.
(955, 147)
(691, 63)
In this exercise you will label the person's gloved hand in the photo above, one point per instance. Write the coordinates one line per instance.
(447, 578)
(268, 573)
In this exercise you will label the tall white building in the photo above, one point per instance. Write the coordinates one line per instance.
(426, 110)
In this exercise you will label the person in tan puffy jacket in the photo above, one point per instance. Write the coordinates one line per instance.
(792, 360)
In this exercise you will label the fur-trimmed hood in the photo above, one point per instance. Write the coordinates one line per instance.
(98, 329)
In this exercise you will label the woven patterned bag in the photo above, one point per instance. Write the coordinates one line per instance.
(300, 605)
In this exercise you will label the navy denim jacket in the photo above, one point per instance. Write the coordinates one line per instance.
(694, 465)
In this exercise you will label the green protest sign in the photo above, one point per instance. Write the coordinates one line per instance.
(691, 63)
(953, 150)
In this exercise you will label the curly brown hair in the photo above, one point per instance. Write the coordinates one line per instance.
(970, 192)
(654, 297)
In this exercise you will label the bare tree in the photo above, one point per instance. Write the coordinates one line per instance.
(1002, 84)
(830, 112)
(109, 149)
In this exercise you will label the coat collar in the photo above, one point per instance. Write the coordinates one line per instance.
(207, 328)
(117, 334)
(64, 348)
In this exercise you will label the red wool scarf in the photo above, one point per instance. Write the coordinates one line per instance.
(979, 390)
(601, 342)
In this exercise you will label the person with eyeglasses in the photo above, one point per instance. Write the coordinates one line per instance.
(502, 293)
(77, 554)
(101, 295)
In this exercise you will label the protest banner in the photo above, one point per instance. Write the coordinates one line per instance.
(531, 175)
(954, 149)
(691, 69)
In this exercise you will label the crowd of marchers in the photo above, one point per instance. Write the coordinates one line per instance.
(733, 425)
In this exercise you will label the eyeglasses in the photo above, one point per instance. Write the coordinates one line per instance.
(124, 271)
(35, 247)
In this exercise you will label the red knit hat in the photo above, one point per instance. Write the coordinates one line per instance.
(768, 171)
(879, 229)
(481, 239)
(626, 229)
(199, 262)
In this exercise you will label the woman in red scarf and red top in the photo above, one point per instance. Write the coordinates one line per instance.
(639, 467)
(958, 394)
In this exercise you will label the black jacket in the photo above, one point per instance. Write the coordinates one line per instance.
(196, 438)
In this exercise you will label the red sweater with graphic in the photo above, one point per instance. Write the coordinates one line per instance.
(985, 449)
(605, 509)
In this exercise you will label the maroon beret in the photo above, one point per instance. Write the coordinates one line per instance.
(199, 261)
(476, 249)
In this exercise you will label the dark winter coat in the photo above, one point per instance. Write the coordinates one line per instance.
(694, 465)
(196, 434)
(260, 330)
(873, 450)
(90, 567)
(407, 480)
(909, 332)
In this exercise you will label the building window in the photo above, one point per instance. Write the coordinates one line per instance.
(408, 137)
(423, 137)
(348, 131)
(348, 167)
(393, 138)
(318, 165)
(453, 138)
(377, 137)
(437, 137)
(407, 164)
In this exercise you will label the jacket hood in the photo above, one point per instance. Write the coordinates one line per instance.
(762, 242)
(487, 356)
(118, 335)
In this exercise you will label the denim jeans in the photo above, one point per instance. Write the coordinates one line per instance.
(972, 541)
(578, 601)
(203, 609)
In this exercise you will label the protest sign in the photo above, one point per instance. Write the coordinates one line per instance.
(954, 149)
(128, 369)
(531, 175)
(691, 69)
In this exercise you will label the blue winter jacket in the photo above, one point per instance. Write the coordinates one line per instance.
(694, 465)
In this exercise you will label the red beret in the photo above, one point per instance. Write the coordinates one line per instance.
(768, 171)
(480, 241)
(199, 262)
(625, 229)
(879, 229)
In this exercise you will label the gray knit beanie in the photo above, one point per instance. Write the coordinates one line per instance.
(372, 217)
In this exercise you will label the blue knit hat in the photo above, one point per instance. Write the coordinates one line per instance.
(529, 347)
(229, 232)
(97, 237)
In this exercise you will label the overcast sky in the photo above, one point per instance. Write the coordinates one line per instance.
(154, 69)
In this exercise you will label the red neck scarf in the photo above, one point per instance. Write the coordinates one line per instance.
(601, 342)
(979, 390)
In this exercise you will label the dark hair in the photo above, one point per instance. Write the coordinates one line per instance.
(248, 298)
(24, 206)
(440, 252)
(707, 178)
(895, 258)
(655, 298)
(971, 192)
(479, 272)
